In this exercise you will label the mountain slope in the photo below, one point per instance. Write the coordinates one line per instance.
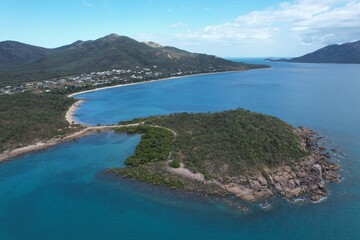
(109, 52)
(14, 53)
(344, 53)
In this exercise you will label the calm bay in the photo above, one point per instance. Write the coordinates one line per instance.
(64, 192)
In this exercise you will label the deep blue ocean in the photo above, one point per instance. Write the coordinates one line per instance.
(64, 192)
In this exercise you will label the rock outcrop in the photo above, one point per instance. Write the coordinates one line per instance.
(307, 176)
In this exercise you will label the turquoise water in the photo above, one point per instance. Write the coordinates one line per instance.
(64, 193)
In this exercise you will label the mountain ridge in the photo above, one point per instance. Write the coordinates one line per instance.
(335, 53)
(24, 62)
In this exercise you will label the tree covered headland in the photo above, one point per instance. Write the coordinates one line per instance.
(215, 144)
(231, 141)
(27, 118)
(155, 144)
(147, 162)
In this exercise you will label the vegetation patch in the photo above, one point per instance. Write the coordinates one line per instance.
(147, 162)
(25, 118)
(154, 146)
(137, 120)
(150, 173)
(231, 142)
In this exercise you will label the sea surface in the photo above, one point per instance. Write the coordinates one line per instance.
(64, 192)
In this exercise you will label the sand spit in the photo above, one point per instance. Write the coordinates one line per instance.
(56, 140)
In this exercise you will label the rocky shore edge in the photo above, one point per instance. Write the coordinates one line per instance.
(306, 177)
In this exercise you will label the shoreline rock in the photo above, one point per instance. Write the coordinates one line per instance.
(305, 177)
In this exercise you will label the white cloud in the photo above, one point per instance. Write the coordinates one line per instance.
(178, 25)
(312, 22)
(87, 4)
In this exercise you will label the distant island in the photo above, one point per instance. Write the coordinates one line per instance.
(344, 53)
(250, 155)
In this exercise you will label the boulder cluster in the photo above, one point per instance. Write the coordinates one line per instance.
(307, 176)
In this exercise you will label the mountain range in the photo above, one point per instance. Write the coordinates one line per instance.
(21, 62)
(343, 53)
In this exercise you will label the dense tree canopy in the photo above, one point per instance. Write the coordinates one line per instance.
(231, 141)
(154, 146)
(216, 144)
(25, 118)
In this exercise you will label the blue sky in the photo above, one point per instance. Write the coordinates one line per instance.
(228, 28)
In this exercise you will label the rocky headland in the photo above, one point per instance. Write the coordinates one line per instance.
(305, 176)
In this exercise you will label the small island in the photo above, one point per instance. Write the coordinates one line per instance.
(347, 53)
(250, 155)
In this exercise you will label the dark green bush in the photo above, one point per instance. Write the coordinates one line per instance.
(174, 164)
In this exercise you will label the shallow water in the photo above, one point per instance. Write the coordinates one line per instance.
(64, 193)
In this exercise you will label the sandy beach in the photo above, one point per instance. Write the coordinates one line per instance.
(155, 80)
(70, 113)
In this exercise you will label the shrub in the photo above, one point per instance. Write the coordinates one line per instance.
(174, 164)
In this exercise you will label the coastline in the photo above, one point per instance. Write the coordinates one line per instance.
(155, 80)
(306, 179)
(6, 155)
(69, 117)
(70, 113)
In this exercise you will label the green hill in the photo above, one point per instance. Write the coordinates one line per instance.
(21, 63)
(239, 139)
(13, 54)
(344, 53)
